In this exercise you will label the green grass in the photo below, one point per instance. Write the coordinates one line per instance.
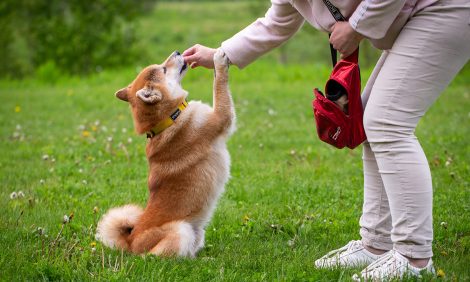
(291, 198)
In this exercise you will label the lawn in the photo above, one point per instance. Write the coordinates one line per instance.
(68, 149)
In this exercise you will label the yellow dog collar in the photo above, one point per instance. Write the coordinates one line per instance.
(169, 121)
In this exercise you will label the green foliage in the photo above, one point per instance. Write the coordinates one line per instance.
(78, 36)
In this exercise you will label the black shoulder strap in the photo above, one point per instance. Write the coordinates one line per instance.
(339, 18)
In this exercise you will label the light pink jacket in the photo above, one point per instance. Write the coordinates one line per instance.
(378, 20)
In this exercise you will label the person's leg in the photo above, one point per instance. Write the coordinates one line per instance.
(375, 222)
(432, 47)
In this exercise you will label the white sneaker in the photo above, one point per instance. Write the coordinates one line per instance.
(352, 255)
(392, 265)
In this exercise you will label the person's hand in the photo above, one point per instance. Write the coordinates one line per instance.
(199, 55)
(344, 38)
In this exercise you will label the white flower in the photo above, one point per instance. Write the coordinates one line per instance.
(66, 219)
(110, 139)
(53, 160)
(129, 140)
(271, 112)
(97, 122)
(18, 127)
(81, 127)
(93, 250)
(42, 181)
(80, 170)
(45, 157)
(84, 182)
(20, 194)
(124, 130)
(13, 195)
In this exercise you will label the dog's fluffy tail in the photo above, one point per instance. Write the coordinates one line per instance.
(116, 225)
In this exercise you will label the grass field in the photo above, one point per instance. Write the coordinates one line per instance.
(69, 147)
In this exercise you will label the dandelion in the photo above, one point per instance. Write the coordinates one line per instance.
(292, 152)
(53, 160)
(81, 127)
(80, 170)
(124, 130)
(93, 244)
(96, 209)
(109, 139)
(93, 250)
(97, 123)
(84, 182)
(129, 140)
(271, 112)
(94, 128)
(45, 157)
(17, 109)
(13, 195)
(85, 133)
(444, 224)
(440, 273)
(66, 219)
(40, 231)
(291, 242)
(41, 181)
(20, 194)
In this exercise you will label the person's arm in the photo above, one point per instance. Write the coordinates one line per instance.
(371, 19)
(280, 23)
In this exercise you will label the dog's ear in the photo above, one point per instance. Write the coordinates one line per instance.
(122, 94)
(149, 95)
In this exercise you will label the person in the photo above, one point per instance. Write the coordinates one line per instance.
(425, 43)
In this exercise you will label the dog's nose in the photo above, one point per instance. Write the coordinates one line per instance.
(177, 53)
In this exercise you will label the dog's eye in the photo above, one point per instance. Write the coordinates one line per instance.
(164, 69)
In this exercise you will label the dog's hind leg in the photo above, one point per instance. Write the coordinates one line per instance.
(179, 240)
(199, 243)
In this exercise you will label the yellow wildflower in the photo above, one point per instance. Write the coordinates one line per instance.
(85, 133)
(17, 109)
(440, 273)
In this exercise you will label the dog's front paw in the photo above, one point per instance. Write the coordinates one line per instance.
(220, 59)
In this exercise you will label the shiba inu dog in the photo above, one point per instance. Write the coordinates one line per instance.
(189, 163)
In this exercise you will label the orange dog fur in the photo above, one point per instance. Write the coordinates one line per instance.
(188, 162)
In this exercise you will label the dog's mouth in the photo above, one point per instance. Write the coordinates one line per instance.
(184, 67)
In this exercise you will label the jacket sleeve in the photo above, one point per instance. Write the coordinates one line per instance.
(373, 18)
(279, 24)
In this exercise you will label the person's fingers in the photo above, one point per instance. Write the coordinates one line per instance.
(193, 65)
(191, 59)
(190, 51)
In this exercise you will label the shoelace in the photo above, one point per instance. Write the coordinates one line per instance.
(386, 262)
(351, 246)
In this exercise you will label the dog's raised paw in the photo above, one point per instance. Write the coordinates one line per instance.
(220, 59)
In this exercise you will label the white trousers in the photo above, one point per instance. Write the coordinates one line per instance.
(430, 50)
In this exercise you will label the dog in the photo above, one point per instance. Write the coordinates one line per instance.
(189, 163)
